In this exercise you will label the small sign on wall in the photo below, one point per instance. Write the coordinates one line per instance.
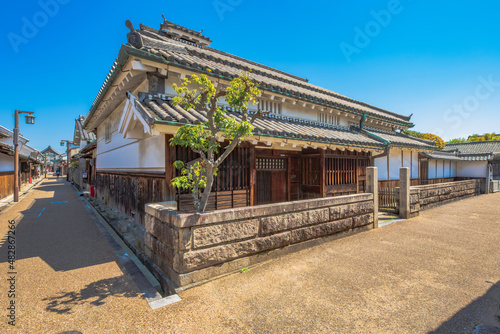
(85, 175)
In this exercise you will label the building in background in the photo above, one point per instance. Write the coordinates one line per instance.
(30, 162)
(82, 171)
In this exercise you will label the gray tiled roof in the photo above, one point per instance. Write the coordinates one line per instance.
(475, 151)
(480, 147)
(85, 135)
(441, 155)
(199, 58)
(401, 140)
(159, 108)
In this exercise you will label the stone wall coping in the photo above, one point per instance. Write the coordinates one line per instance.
(185, 220)
(442, 185)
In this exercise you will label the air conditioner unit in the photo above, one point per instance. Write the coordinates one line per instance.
(494, 186)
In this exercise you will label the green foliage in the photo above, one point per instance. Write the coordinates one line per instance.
(245, 270)
(428, 136)
(476, 138)
(200, 93)
(456, 141)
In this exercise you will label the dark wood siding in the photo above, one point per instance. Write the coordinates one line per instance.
(231, 188)
(6, 184)
(128, 193)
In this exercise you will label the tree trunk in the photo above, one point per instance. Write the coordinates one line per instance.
(206, 193)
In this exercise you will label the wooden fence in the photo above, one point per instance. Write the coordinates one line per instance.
(6, 184)
(388, 199)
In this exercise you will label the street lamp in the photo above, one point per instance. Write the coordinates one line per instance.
(30, 119)
(68, 142)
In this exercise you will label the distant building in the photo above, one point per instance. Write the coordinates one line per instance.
(29, 162)
(480, 160)
(82, 171)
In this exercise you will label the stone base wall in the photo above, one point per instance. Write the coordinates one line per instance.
(429, 196)
(193, 248)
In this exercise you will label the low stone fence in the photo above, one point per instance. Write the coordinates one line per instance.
(193, 248)
(432, 195)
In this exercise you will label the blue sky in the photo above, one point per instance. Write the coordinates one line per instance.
(439, 61)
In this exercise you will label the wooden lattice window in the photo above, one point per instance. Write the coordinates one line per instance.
(271, 164)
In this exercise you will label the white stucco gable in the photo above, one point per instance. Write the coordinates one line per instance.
(133, 124)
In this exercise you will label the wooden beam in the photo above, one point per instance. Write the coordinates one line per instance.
(252, 176)
(322, 174)
(170, 157)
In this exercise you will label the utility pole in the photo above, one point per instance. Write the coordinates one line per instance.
(30, 119)
(68, 142)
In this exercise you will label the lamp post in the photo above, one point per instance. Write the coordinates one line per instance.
(30, 119)
(68, 142)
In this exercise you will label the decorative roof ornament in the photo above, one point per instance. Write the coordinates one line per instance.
(133, 37)
(176, 31)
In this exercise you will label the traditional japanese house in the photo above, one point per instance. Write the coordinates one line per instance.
(313, 142)
(82, 168)
(52, 157)
(29, 162)
(477, 160)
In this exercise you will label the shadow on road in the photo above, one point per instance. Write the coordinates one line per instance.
(93, 294)
(57, 229)
(484, 310)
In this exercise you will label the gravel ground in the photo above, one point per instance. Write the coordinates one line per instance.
(439, 272)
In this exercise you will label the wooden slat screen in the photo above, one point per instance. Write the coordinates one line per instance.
(231, 186)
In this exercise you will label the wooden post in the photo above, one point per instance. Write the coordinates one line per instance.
(252, 175)
(372, 187)
(169, 169)
(322, 187)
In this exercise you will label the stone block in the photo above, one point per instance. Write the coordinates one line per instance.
(350, 210)
(314, 217)
(165, 253)
(178, 239)
(123, 227)
(320, 230)
(202, 258)
(362, 220)
(218, 234)
(274, 224)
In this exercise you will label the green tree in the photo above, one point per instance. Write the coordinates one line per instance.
(456, 141)
(200, 93)
(428, 136)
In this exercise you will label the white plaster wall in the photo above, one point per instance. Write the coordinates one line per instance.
(447, 169)
(471, 168)
(381, 164)
(453, 172)
(395, 163)
(415, 166)
(439, 169)
(407, 159)
(122, 154)
(432, 169)
(6, 163)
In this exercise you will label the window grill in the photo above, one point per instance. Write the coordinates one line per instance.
(271, 163)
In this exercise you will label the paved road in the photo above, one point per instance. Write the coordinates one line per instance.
(436, 273)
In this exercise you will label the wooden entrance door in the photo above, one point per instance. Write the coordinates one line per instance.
(424, 171)
(272, 180)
